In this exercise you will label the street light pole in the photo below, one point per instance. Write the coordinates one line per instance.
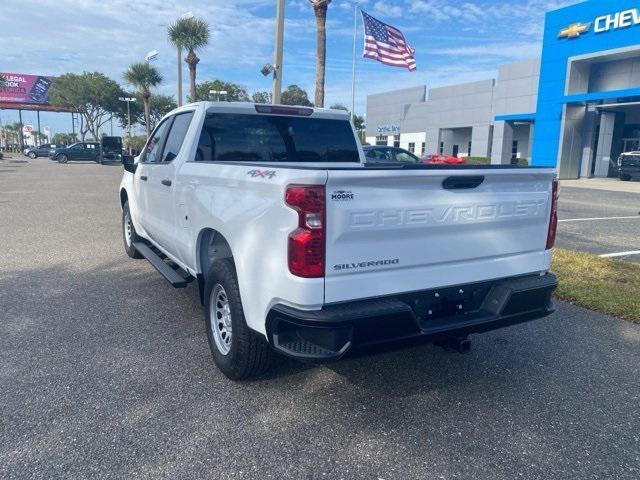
(128, 100)
(277, 56)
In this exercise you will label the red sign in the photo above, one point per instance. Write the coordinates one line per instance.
(26, 89)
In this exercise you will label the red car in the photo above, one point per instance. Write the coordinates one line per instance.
(443, 160)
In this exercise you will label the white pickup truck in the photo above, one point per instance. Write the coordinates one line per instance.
(300, 247)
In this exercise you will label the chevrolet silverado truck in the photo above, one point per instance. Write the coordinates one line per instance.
(297, 246)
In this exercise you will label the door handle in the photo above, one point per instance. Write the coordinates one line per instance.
(166, 182)
(144, 178)
(466, 182)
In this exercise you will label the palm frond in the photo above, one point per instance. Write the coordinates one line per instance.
(143, 75)
(189, 33)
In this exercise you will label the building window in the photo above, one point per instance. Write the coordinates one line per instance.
(469, 150)
(412, 147)
(424, 148)
(514, 150)
(396, 141)
(441, 148)
(381, 140)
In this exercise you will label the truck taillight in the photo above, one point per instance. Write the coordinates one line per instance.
(307, 242)
(553, 222)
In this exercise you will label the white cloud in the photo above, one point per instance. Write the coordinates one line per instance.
(387, 9)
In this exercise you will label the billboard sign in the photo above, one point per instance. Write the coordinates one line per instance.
(26, 89)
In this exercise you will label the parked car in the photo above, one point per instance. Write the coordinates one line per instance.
(42, 150)
(629, 166)
(382, 154)
(90, 151)
(437, 159)
(295, 247)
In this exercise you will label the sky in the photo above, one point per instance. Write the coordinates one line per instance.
(455, 41)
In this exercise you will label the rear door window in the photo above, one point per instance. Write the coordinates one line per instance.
(271, 138)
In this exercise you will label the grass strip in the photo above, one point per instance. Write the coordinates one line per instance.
(605, 285)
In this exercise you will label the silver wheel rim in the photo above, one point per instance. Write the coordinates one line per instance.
(220, 318)
(128, 229)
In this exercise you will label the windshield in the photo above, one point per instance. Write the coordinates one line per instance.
(271, 138)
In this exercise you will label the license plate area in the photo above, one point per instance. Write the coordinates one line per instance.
(455, 304)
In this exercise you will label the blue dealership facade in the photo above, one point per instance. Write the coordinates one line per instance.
(576, 108)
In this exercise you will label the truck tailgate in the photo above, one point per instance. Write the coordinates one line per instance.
(393, 231)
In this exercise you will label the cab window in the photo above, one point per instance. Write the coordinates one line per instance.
(175, 139)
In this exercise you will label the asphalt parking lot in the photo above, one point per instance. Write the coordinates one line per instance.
(105, 372)
(601, 222)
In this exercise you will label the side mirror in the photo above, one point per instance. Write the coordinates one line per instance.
(128, 162)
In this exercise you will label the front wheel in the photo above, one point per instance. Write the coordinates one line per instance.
(129, 234)
(63, 159)
(239, 352)
(32, 155)
(625, 178)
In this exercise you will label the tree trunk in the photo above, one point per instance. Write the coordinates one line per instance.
(321, 51)
(192, 60)
(147, 112)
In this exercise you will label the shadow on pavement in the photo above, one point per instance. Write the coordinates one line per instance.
(111, 358)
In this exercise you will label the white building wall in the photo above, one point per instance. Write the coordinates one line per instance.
(460, 113)
(517, 88)
(415, 138)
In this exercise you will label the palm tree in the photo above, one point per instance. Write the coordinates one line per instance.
(145, 77)
(320, 11)
(191, 34)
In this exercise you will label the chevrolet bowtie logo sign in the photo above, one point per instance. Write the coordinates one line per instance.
(575, 30)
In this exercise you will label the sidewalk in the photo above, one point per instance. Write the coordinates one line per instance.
(608, 184)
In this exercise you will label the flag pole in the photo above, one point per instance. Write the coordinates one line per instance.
(353, 73)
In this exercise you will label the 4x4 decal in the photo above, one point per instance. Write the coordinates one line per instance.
(262, 173)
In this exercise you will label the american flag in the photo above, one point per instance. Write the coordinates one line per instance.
(386, 44)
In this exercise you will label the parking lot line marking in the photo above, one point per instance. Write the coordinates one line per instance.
(598, 218)
(621, 254)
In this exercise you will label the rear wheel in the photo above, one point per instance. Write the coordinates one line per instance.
(63, 159)
(625, 178)
(239, 352)
(129, 235)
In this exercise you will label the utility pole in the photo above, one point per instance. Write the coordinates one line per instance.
(277, 57)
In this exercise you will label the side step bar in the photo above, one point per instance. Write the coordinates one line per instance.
(173, 277)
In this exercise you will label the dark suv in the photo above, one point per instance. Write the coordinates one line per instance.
(89, 151)
(629, 165)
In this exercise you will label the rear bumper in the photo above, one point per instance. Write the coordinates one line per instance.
(328, 334)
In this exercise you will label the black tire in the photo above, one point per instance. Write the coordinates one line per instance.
(625, 178)
(128, 243)
(33, 155)
(62, 159)
(249, 353)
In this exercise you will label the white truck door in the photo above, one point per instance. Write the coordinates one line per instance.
(144, 177)
(162, 184)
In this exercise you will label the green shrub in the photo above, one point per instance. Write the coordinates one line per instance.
(478, 160)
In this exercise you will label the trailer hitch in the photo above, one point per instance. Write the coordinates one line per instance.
(454, 343)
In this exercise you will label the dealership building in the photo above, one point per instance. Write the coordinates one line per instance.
(577, 107)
